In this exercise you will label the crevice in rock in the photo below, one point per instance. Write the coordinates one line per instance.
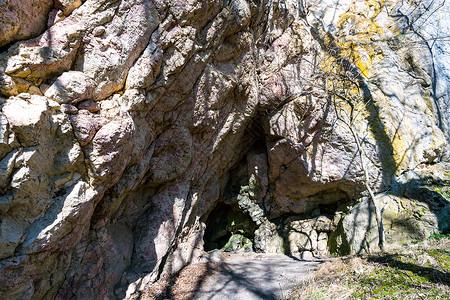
(5, 47)
(229, 229)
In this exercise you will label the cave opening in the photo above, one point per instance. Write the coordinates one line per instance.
(229, 229)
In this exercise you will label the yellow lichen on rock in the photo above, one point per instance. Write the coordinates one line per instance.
(360, 31)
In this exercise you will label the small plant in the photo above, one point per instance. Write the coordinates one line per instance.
(443, 190)
(438, 236)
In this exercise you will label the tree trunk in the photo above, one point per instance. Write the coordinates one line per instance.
(378, 212)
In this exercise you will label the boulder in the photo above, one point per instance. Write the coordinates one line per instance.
(71, 87)
(404, 220)
(32, 119)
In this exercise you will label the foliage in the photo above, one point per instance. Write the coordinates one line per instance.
(439, 235)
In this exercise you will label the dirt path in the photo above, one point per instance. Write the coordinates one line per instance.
(225, 276)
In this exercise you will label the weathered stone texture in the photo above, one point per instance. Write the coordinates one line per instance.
(21, 19)
(125, 123)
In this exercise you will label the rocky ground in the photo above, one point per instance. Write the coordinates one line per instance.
(419, 270)
(241, 276)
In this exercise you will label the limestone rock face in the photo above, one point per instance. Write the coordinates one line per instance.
(135, 134)
(22, 19)
(71, 86)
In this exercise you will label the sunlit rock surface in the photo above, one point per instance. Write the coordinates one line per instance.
(125, 123)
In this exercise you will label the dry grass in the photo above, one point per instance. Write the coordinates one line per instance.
(418, 271)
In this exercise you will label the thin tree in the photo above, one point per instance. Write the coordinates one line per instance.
(345, 85)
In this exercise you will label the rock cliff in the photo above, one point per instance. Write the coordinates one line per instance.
(136, 134)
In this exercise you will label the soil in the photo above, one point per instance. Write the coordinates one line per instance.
(246, 276)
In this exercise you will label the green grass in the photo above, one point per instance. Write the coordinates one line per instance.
(415, 272)
(439, 235)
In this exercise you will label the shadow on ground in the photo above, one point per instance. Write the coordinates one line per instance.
(235, 276)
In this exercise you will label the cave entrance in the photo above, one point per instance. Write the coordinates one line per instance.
(229, 229)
